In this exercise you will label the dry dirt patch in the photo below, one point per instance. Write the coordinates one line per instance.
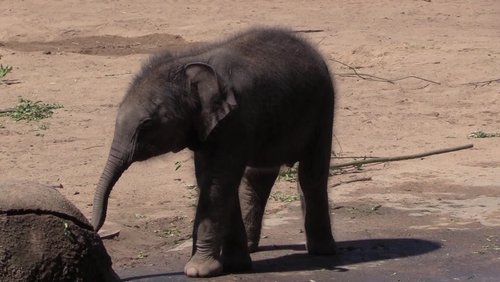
(106, 45)
(451, 42)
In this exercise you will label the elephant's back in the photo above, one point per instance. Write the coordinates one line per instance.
(284, 92)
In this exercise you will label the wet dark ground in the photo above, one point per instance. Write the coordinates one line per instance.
(375, 249)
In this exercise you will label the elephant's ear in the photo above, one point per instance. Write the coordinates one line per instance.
(216, 100)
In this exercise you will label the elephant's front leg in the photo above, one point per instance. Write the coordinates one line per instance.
(218, 177)
(235, 256)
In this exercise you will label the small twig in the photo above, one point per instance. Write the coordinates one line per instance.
(365, 76)
(9, 81)
(360, 75)
(6, 111)
(482, 83)
(117, 74)
(401, 158)
(91, 147)
(352, 180)
(308, 30)
(422, 87)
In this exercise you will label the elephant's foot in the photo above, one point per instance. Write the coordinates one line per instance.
(234, 263)
(253, 246)
(202, 266)
(253, 235)
(321, 247)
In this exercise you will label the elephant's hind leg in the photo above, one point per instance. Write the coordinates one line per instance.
(314, 170)
(254, 192)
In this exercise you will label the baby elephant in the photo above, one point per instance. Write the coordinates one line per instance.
(245, 106)
(43, 237)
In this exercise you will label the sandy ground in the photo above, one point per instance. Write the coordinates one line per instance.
(423, 61)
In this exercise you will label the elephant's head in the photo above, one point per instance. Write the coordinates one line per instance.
(167, 108)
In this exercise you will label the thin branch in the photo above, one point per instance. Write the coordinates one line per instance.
(338, 142)
(401, 158)
(366, 76)
(351, 181)
(355, 157)
(416, 77)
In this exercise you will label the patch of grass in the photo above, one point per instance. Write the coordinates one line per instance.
(4, 70)
(172, 232)
(43, 126)
(30, 110)
(284, 197)
(346, 170)
(142, 255)
(360, 210)
(482, 134)
(491, 246)
(288, 174)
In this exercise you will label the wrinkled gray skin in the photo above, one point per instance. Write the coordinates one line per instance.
(245, 106)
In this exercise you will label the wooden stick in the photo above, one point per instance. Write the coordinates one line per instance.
(352, 180)
(401, 158)
(5, 111)
(108, 234)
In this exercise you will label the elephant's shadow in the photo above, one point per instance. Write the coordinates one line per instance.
(349, 252)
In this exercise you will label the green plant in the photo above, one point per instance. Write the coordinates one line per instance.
(30, 110)
(288, 174)
(142, 255)
(178, 165)
(67, 231)
(482, 134)
(359, 166)
(66, 228)
(4, 70)
(43, 126)
(284, 197)
(165, 233)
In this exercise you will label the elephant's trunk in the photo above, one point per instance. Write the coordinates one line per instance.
(118, 162)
